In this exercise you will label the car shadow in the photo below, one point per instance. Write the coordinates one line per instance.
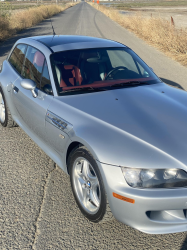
(171, 83)
(6, 45)
(184, 245)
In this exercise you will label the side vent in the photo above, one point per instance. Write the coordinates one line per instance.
(58, 122)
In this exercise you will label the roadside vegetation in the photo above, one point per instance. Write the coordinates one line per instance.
(156, 31)
(14, 21)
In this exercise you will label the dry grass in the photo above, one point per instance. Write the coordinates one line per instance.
(10, 24)
(156, 31)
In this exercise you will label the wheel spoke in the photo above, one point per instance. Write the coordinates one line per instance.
(79, 168)
(81, 181)
(85, 169)
(94, 198)
(94, 181)
(85, 196)
(92, 178)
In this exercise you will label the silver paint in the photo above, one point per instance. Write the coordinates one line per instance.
(145, 128)
(29, 85)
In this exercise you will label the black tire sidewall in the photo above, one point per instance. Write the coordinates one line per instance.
(82, 152)
(4, 124)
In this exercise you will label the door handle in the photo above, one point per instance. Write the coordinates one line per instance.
(15, 89)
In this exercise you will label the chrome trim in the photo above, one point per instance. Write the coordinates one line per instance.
(58, 122)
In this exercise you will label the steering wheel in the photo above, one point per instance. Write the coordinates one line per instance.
(114, 70)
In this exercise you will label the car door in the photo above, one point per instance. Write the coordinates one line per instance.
(32, 110)
(15, 64)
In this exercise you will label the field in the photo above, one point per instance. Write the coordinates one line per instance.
(128, 5)
(154, 8)
(156, 27)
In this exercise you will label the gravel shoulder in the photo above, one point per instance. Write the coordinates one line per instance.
(37, 208)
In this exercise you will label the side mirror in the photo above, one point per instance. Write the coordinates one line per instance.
(48, 89)
(29, 85)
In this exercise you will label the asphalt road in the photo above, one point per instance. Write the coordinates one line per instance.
(37, 209)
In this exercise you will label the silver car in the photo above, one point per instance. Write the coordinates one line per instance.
(108, 121)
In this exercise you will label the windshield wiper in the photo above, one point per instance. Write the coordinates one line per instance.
(84, 89)
(129, 83)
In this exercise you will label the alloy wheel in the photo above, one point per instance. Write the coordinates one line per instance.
(86, 185)
(2, 109)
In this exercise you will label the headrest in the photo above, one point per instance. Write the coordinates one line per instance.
(38, 59)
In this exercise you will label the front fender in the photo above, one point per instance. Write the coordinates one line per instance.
(113, 146)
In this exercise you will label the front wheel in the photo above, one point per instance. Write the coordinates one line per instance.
(87, 186)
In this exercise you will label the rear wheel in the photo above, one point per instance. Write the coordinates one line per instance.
(6, 119)
(88, 187)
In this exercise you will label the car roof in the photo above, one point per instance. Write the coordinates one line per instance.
(67, 42)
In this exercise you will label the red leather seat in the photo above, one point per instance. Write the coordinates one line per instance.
(70, 76)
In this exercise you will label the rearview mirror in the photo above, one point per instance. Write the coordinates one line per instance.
(29, 85)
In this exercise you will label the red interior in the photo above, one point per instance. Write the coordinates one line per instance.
(38, 59)
(75, 78)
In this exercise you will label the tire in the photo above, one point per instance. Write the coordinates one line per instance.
(87, 186)
(6, 119)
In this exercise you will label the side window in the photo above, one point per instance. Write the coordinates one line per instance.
(33, 65)
(45, 76)
(17, 57)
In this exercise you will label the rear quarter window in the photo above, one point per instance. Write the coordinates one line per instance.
(17, 57)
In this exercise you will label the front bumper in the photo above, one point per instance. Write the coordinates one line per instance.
(155, 211)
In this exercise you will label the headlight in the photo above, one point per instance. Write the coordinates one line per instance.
(155, 178)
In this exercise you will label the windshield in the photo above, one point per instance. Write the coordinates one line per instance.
(101, 68)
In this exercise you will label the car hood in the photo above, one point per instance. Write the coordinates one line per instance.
(156, 114)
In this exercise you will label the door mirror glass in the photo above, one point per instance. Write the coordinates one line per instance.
(29, 85)
(48, 89)
(45, 81)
